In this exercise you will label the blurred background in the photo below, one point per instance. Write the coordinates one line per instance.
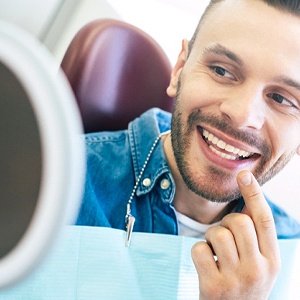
(55, 22)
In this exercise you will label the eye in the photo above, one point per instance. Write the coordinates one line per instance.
(222, 72)
(281, 100)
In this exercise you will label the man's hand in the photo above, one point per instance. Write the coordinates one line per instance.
(247, 258)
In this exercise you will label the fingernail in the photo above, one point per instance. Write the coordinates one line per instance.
(246, 179)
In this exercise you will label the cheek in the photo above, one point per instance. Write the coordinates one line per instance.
(284, 137)
(196, 94)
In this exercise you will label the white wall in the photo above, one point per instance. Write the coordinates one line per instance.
(284, 188)
(32, 15)
(84, 12)
(168, 21)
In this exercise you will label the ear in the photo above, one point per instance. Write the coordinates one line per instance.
(182, 57)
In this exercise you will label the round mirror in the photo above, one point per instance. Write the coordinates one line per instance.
(42, 153)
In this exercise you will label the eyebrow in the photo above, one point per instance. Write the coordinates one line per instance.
(221, 50)
(288, 81)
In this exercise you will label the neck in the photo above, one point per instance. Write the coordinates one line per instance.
(187, 202)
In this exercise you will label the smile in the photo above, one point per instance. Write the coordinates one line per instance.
(224, 150)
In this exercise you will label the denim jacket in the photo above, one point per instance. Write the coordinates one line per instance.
(114, 163)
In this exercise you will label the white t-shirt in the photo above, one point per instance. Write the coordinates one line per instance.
(192, 228)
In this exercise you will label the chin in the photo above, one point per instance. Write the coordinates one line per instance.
(218, 189)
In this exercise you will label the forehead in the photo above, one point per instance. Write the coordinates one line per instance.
(252, 24)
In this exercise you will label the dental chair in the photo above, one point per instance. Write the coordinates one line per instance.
(117, 72)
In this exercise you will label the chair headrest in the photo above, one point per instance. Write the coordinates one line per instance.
(117, 72)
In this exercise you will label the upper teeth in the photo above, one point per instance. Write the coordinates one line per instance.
(222, 145)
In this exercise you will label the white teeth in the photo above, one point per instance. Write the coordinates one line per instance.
(215, 140)
(241, 152)
(227, 156)
(210, 137)
(205, 133)
(236, 150)
(229, 148)
(222, 145)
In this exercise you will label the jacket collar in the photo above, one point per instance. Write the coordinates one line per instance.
(143, 132)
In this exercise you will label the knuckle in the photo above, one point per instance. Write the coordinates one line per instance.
(238, 220)
(265, 220)
(223, 235)
(198, 248)
(198, 251)
(211, 232)
(255, 276)
(254, 195)
(219, 235)
(261, 271)
(243, 221)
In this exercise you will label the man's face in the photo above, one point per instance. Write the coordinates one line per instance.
(238, 98)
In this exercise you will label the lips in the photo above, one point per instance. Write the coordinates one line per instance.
(223, 149)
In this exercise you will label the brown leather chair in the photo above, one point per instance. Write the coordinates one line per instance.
(117, 72)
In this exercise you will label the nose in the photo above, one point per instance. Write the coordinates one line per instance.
(244, 108)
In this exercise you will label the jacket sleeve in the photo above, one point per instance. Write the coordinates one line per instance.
(286, 226)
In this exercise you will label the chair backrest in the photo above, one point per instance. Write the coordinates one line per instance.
(117, 72)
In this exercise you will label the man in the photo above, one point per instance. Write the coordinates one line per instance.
(237, 113)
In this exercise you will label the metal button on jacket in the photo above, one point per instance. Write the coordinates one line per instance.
(147, 182)
(164, 184)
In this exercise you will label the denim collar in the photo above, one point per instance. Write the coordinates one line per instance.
(142, 134)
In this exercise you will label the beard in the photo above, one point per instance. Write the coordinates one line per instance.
(211, 182)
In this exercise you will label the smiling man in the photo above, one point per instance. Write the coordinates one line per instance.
(238, 98)
(236, 120)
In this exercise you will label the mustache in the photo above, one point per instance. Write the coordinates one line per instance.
(197, 117)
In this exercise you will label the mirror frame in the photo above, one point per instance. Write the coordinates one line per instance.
(63, 151)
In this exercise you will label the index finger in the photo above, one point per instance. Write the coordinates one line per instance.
(257, 208)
